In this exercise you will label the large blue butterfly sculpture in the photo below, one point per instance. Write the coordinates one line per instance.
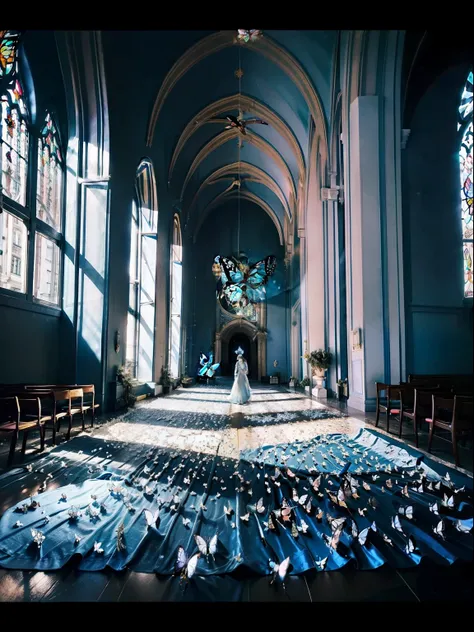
(207, 367)
(239, 283)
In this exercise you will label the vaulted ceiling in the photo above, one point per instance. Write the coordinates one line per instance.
(284, 79)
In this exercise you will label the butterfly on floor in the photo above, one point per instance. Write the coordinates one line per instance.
(207, 547)
(279, 571)
(440, 529)
(151, 518)
(186, 566)
(411, 545)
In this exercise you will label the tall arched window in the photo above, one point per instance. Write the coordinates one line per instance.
(30, 234)
(465, 167)
(176, 279)
(141, 311)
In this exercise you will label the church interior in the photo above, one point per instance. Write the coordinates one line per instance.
(175, 205)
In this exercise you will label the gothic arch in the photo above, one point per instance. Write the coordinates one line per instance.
(241, 325)
(266, 47)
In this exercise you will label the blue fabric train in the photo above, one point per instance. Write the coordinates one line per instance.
(326, 502)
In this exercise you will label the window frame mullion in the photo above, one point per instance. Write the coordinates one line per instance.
(31, 180)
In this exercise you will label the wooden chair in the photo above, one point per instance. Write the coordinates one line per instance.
(89, 404)
(21, 414)
(389, 400)
(88, 389)
(71, 408)
(418, 406)
(454, 414)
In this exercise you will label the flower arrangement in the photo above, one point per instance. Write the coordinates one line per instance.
(305, 382)
(320, 359)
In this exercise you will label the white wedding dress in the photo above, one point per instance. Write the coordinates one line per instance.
(240, 393)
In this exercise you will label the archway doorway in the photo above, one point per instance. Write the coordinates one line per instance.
(249, 348)
(255, 342)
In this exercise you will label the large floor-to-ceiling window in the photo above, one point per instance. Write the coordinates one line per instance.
(176, 278)
(141, 311)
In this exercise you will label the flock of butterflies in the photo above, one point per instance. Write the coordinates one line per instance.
(344, 496)
(239, 282)
(329, 489)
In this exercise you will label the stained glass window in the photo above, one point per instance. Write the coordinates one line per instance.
(14, 143)
(465, 168)
(9, 41)
(50, 172)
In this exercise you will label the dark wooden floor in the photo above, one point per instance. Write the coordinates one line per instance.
(427, 582)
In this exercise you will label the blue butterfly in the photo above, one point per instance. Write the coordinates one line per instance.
(240, 283)
(207, 367)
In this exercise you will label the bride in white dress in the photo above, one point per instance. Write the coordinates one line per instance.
(240, 393)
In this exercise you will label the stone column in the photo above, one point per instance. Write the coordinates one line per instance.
(314, 254)
(366, 333)
(262, 353)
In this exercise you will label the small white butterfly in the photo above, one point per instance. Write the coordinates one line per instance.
(207, 547)
(387, 539)
(439, 529)
(448, 502)
(97, 548)
(151, 518)
(303, 528)
(186, 522)
(321, 564)
(77, 539)
(411, 546)
(406, 511)
(396, 524)
(38, 537)
(245, 518)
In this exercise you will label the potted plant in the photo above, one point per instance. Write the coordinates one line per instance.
(320, 360)
(293, 382)
(125, 378)
(165, 380)
(305, 383)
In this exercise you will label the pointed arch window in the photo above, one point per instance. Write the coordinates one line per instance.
(176, 280)
(465, 167)
(143, 241)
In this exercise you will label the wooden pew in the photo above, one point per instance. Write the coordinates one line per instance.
(460, 384)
